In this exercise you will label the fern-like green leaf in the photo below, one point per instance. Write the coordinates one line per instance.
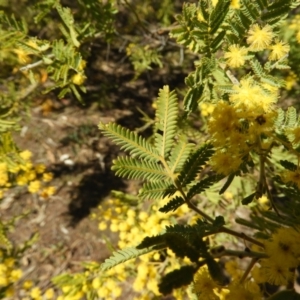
(288, 165)
(217, 42)
(248, 199)
(172, 205)
(176, 279)
(204, 7)
(237, 29)
(248, 223)
(195, 163)
(250, 10)
(273, 81)
(291, 117)
(262, 4)
(218, 15)
(130, 141)
(166, 121)
(280, 118)
(157, 190)
(132, 168)
(179, 154)
(158, 240)
(192, 97)
(276, 12)
(202, 185)
(180, 246)
(257, 68)
(227, 183)
(121, 256)
(226, 88)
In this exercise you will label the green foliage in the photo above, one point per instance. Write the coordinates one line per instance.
(194, 164)
(176, 279)
(166, 121)
(124, 255)
(177, 171)
(172, 205)
(142, 58)
(163, 159)
(129, 141)
(174, 170)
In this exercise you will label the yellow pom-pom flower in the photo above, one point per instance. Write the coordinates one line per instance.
(235, 57)
(259, 38)
(278, 50)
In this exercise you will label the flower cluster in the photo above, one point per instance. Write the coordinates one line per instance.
(131, 225)
(31, 292)
(281, 251)
(236, 126)
(9, 274)
(25, 173)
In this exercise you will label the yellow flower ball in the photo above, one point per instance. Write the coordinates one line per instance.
(49, 294)
(35, 293)
(102, 225)
(96, 283)
(34, 186)
(15, 275)
(9, 262)
(47, 177)
(40, 168)
(78, 79)
(27, 284)
(3, 281)
(26, 155)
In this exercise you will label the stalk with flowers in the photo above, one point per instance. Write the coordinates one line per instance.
(248, 136)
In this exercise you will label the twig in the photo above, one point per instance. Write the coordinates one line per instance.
(241, 235)
(38, 63)
(249, 268)
(240, 254)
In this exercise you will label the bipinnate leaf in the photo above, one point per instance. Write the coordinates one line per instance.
(149, 241)
(288, 165)
(291, 117)
(123, 255)
(227, 183)
(157, 190)
(130, 141)
(176, 279)
(172, 205)
(166, 120)
(194, 164)
(132, 168)
(249, 199)
(179, 154)
(191, 98)
(180, 246)
(202, 185)
(218, 15)
(247, 223)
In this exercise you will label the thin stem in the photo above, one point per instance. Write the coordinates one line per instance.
(263, 185)
(36, 64)
(240, 254)
(192, 206)
(241, 235)
(249, 268)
